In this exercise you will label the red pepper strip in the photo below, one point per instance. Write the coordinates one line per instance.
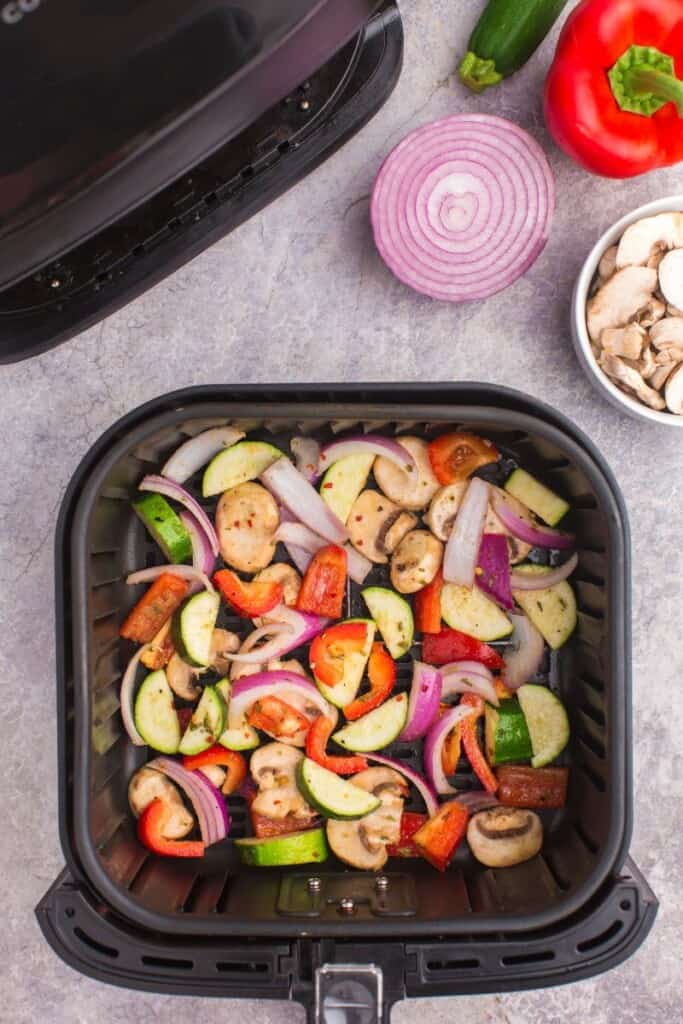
(316, 742)
(608, 90)
(329, 649)
(450, 751)
(150, 828)
(410, 824)
(452, 645)
(154, 608)
(324, 584)
(522, 786)
(248, 599)
(427, 606)
(234, 764)
(470, 741)
(276, 717)
(439, 837)
(455, 457)
(382, 676)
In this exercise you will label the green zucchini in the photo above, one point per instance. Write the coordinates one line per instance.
(536, 496)
(193, 626)
(507, 734)
(504, 38)
(165, 527)
(332, 796)
(547, 722)
(552, 609)
(155, 715)
(206, 724)
(394, 618)
(377, 729)
(309, 847)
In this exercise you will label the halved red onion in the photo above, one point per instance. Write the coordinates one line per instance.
(523, 658)
(199, 450)
(462, 549)
(301, 538)
(423, 702)
(468, 677)
(367, 444)
(492, 574)
(462, 207)
(433, 747)
(207, 801)
(306, 451)
(293, 491)
(421, 785)
(288, 627)
(539, 536)
(185, 572)
(476, 800)
(169, 489)
(203, 557)
(126, 698)
(287, 685)
(541, 580)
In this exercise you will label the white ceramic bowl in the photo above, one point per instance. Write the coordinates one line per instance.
(600, 380)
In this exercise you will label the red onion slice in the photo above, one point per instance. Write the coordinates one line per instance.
(290, 629)
(287, 685)
(367, 444)
(306, 451)
(434, 745)
(169, 489)
(462, 549)
(203, 557)
(492, 574)
(126, 698)
(185, 572)
(539, 536)
(303, 539)
(207, 801)
(198, 451)
(541, 580)
(462, 207)
(423, 702)
(421, 785)
(466, 677)
(523, 659)
(294, 492)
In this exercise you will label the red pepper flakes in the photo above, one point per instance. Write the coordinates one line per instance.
(327, 487)
(236, 523)
(359, 519)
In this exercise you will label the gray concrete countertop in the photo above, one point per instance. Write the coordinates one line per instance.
(299, 293)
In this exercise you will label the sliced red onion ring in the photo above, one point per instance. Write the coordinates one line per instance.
(434, 745)
(541, 580)
(207, 801)
(287, 685)
(300, 556)
(468, 677)
(185, 572)
(288, 627)
(462, 207)
(169, 489)
(421, 785)
(304, 539)
(367, 444)
(523, 659)
(539, 536)
(306, 451)
(203, 557)
(476, 800)
(294, 492)
(126, 698)
(462, 549)
(423, 702)
(199, 450)
(494, 562)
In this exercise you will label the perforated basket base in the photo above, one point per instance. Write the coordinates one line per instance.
(97, 943)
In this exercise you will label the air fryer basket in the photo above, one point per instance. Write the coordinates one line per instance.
(584, 844)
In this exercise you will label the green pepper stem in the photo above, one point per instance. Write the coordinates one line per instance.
(477, 73)
(643, 80)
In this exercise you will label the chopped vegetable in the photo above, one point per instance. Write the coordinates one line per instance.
(206, 723)
(368, 445)
(155, 717)
(169, 489)
(427, 606)
(470, 742)
(234, 764)
(382, 676)
(151, 827)
(316, 742)
(454, 645)
(364, 844)
(450, 751)
(410, 824)
(454, 457)
(536, 788)
(423, 702)
(148, 785)
(207, 802)
(343, 482)
(547, 722)
(307, 847)
(159, 651)
(339, 654)
(416, 561)
(193, 626)
(303, 501)
(247, 519)
(492, 574)
(277, 718)
(536, 496)
(199, 450)
(154, 609)
(237, 465)
(165, 527)
(332, 796)
(507, 734)
(503, 836)
(394, 618)
(377, 729)
(434, 742)
(248, 599)
(439, 837)
(464, 542)
(324, 584)
(552, 610)
(410, 489)
(524, 658)
(470, 611)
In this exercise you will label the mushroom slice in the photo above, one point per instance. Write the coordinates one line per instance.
(182, 678)
(416, 561)
(382, 782)
(503, 836)
(394, 530)
(351, 843)
(673, 392)
(413, 490)
(280, 572)
(374, 524)
(671, 277)
(630, 380)
(667, 331)
(661, 375)
(223, 642)
(641, 241)
(444, 508)
(620, 299)
(247, 519)
(674, 311)
(147, 785)
(608, 264)
(646, 365)
(668, 354)
(363, 843)
(624, 341)
(273, 768)
(651, 313)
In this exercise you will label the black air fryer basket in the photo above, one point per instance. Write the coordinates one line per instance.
(214, 927)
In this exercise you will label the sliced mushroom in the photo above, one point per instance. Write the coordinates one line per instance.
(412, 490)
(376, 525)
(651, 313)
(363, 843)
(668, 331)
(644, 239)
(352, 844)
(608, 264)
(182, 679)
(629, 380)
(444, 508)
(646, 365)
(280, 572)
(671, 277)
(273, 768)
(382, 782)
(247, 518)
(669, 354)
(661, 375)
(160, 650)
(503, 836)
(674, 311)
(147, 785)
(624, 341)
(223, 642)
(620, 299)
(416, 561)
(673, 392)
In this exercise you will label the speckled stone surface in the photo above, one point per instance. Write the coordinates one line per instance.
(299, 293)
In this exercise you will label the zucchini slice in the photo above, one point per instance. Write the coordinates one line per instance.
(307, 847)
(206, 724)
(394, 618)
(332, 796)
(344, 481)
(193, 626)
(547, 722)
(552, 610)
(244, 461)
(547, 505)
(507, 733)
(473, 613)
(377, 729)
(165, 527)
(155, 715)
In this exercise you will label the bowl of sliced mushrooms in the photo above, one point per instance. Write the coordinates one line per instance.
(627, 314)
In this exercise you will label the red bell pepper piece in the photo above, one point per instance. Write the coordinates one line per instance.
(248, 599)
(276, 717)
(470, 741)
(450, 751)
(613, 100)
(234, 764)
(150, 828)
(427, 606)
(324, 583)
(410, 824)
(452, 645)
(440, 836)
(316, 742)
(330, 648)
(455, 457)
(522, 786)
(382, 676)
(154, 608)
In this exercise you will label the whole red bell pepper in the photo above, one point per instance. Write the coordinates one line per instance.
(614, 95)
(452, 645)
